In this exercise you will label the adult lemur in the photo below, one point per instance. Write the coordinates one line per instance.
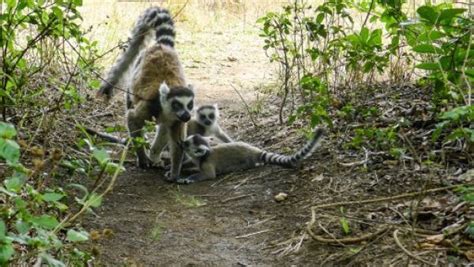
(228, 157)
(158, 88)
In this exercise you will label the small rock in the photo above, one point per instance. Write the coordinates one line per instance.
(281, 197)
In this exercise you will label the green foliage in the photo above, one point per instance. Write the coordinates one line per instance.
(33, 216)
(320, 42)
(37, 37)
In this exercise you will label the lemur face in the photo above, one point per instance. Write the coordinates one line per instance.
(178, 101)
(207, 115)
(195, 146)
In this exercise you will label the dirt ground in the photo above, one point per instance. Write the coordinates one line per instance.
(235, 220)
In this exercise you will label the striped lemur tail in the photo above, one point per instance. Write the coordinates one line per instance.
(294, 160)
(153, 19)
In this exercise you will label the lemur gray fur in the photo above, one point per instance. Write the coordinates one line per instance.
(205, 123)
(158, 88)
(229, 157)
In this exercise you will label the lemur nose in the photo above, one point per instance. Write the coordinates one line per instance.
(185, 117)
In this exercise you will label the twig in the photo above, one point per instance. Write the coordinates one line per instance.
(235, 198)
(246, 106)
(180, 10)
(356, 163)
(399, 244)
(368, 14)
(105, 136)
(252, 234)
(347, 240)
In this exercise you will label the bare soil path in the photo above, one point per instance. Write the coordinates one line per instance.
(223, 222)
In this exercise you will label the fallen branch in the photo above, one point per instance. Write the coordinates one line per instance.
(385, 199)
(347, 240)
(107, 137)
(399, 244)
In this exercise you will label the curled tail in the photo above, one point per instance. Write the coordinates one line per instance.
(292, 161)
(153, 18)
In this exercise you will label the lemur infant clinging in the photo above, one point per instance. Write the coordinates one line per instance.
(158, 89)
(229, 157)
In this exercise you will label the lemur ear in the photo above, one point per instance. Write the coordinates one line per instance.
(164, 89)
(191, 87)
(215, 106)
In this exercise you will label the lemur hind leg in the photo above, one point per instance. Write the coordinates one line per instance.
(160, 141)
(135, 121)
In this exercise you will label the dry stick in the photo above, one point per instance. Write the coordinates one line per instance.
(384, 199)
(399, 244)
(180, 10)
(235, 198)
(348, 240)
(246, 106)
(252, 234)
(367, 201)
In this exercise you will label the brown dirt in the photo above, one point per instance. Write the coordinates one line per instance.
(235, 221)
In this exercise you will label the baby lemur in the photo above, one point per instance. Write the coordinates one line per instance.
(158, 88)
(206, 123)
(229, 157)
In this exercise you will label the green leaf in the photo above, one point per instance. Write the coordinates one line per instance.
(101, 156)
(364, 34)
(52, 197)
(428, 66)
(52, 261)
(76, 236)
(94, 84)
(95, 200)
(14, 184)
(6, 252)
(427, 48)
(449, 14)
(430, 36)
(45, 221)
(3, 230)
(428, 13)
(9, 150)
(7, 130)
(345, 226)
(375, 37)
(112, 167)
(22, 227)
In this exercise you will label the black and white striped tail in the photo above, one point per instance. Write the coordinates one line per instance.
(292, 161)
(154, 18)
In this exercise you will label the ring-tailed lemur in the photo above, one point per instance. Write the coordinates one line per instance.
(158, 88)
(229, 157)
(206, 123)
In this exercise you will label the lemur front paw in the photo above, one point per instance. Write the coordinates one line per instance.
(169, 178)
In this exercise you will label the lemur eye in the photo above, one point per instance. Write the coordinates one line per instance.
(190, 105)
(202, 117)
(175, 105)
(211, 116)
